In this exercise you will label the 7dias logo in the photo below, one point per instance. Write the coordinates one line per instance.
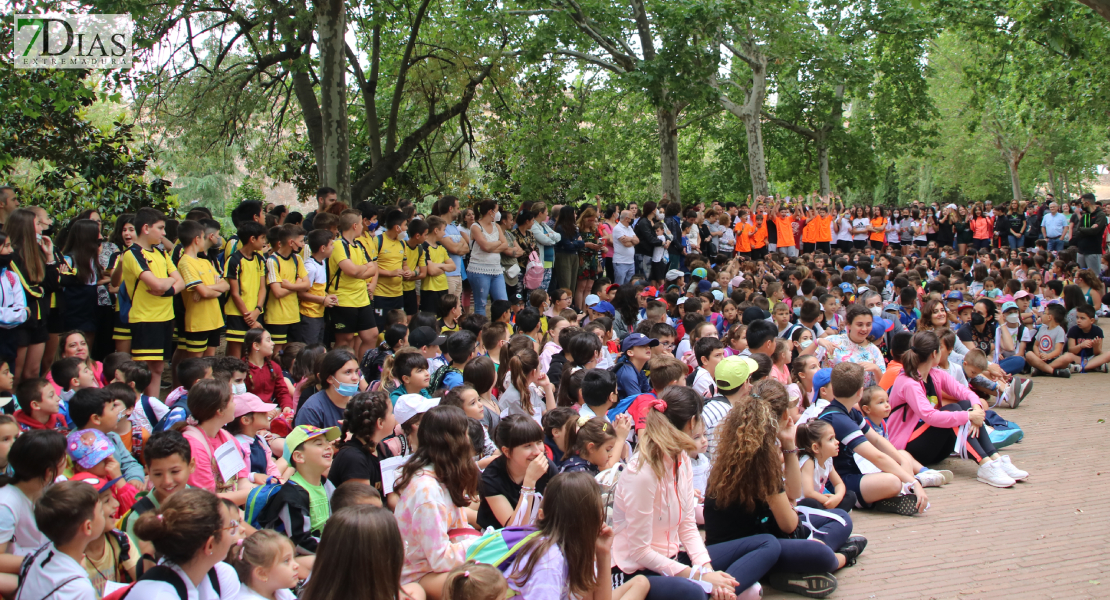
(73, 41)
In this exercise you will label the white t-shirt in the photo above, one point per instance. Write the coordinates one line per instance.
(17, 522)
(245, 593)
(623, 255)
(860, 224)
(55, 575)
(704, 384)
(845, 233)
(509, 401)
(317, 272)
(157, 590)
(658, 252)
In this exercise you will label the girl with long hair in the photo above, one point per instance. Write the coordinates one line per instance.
(930, 434)
(589, 263)
(484, 269)
(653, 514)
(572, 551)
(33, 262)
(962, 226)
(123, 235)
(367, 420)
(878, 228)
(981, 229)
(74, 344)
(435, 486)
(81, 277)
(265, 378)
(1091, 287)
(746, 495)
(513, 483)
(529, 391)
(855, 344)
(568, 248)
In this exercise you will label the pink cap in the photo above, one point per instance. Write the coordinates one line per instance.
(249, 403)
(1022, 294)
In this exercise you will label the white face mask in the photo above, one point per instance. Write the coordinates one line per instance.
(658, 214)
(806, 344)
(238, 388)
(1013, 318)
(876, 311)
(497, 217)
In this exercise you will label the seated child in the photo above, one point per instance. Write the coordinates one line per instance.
(1085, 343)
(411, 369)
(95, 408)
(593, 449)
(112, 555)
(39, 406)
(265, 565)
(136, 374)
(129, 430)
(817, 445)
(354, 493)
(91, 451)
(1049, 340)
(300, 508)
(70, 516)
(408, 411)
(252, 420)
(72, 374)
(8, 432)
(169, 464)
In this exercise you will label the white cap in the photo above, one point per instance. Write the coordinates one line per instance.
(410, 405)
(592, 299)
(681, 300)
(951, 207)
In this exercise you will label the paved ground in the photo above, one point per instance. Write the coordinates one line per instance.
(1045, 538)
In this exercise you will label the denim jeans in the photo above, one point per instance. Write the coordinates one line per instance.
(1015, 241)
(623, 272)
(643, 265)
(1055, 244)
(1012, 365)
(486, 285)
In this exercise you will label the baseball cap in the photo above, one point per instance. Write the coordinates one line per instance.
(752, 314)
(673, 274)
(733, 371)
(604, 308)
(1009, 306)
(303, 433)
(612, 289)
(846, 288)
(705, 285)
(87, 447)
(863, 289)
(951, 207)
(700, 272)
(954, 296)
(650, 291)
(425, 336)
(879, 326)
(592, 299)
(820, 379)
(101, 484)
(849, 268)
(681, 300)
(736, 281)
(637, 339)
(249, 403)
(410, 405)
(1022, 294)
(964, 305)
(718, 295)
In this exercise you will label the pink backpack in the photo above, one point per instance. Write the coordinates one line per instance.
(533, 275)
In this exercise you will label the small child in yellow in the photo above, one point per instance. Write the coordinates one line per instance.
(285, 276)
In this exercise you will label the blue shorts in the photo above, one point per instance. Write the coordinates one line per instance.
(852, 481)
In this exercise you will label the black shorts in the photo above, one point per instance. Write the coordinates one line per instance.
(876, 245)
(384, 304)
(429, 301)
(56, 322)
(845, 245)
(412, 302)
(659, 270)
(808, 247)
(29, 334)
(851, 482)
(859, 244)
(825, 247)
(151, 341)
(759, 253)
(236, 327)
(894, 245)
(351, 319)
(197, 342)
(279, 333)
(120, 330)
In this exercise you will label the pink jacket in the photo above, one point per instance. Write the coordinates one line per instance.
(908, 392)
(652, 517)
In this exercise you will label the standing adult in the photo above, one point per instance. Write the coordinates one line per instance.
(567, 250)
(673, 223)
(589, 262)
(645, 232)
(1089, 230)
(605, 231)
(325, 197)
(8, 204)
(546, 238)
(484, 271)
(1053, 226)
(527, 242)
(454, 240)
(1033, 215)
(33, 262)
(624, 248)
(946, 227)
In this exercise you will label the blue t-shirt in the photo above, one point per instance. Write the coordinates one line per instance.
(320, 411)
(452, 380)
(631, 381)
(851, 428)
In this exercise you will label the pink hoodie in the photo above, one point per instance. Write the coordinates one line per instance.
(908, 392)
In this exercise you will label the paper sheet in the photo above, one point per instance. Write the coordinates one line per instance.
(229, 460)
(391, 470)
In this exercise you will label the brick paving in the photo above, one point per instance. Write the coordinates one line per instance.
(1045, 538)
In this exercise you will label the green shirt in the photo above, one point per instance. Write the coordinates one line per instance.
(318, 507)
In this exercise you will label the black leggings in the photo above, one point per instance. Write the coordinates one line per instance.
(846, 505)
(930, 445)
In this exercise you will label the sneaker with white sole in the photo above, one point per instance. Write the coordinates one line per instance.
(946, 474)
(991, 473)
(1076, 368)
(930, 479)
(1104, 368)
(1008, 467)
(1012, 392)
(1024, 389)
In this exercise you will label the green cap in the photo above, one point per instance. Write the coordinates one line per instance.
(303, 433)
(733, 371)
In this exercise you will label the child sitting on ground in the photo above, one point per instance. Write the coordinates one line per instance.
(71, 374)
(169, 464)
(94, 408)
(300, 508)
(411, 369)
(70, 516)
(817, 445)
(111, 555)
(265, 565)
(39, 406)
(91, 452)
(1049, 339)
(595, 448)
(251, 422)
(132, 434)
(136, 374)
(1085, 343)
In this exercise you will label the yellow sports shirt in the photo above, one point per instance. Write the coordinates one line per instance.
(389, 257)
(145, 306)
(417, 257)
(318, 275)
(437, 283)
(350, 291)
(284, 310)
(203, 314)
(250, 273)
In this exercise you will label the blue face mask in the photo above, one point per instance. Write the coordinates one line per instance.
(372, 227)
(347, 389)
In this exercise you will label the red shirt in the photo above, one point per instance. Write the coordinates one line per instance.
(268, 383)
(28, 423)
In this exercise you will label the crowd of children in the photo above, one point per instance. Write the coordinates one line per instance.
(336, 425)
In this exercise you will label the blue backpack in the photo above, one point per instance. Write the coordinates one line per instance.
(499, 547)
(257, 500)
(178, 413)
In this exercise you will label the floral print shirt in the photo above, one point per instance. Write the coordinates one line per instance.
(425, 515)
(846, 350)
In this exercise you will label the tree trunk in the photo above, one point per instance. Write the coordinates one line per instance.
(823, 160)
(310, 108)
(668, 151)
(1067, 188)
(757, 162)
(331, 24)
(1015, 179)
(1052, 176)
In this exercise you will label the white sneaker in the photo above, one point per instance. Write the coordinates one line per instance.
(945, 474)
(930, 478)
(1075, 368)
(991, 473)
(1013, 392)
(1008, 467)
(1024, 389)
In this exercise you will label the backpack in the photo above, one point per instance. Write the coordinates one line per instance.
(499, 547)
(372, 362)
(257, 500)
(440, 375)
(179, 412)
(165, 575)
(141, 506)
(533, 274)
(148, 409)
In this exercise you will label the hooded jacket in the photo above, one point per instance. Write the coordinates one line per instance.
(1088, 232)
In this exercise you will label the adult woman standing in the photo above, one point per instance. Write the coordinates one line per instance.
(962, 225)
(946, 232)
(435, 485)
(567, 249)
(981, 229)
(653, 515)
(546, 238)
(33, 262)
(589, 265)
(746, 495)
(930, 434)
(605, 231)
(484, 271)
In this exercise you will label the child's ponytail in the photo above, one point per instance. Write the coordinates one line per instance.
(521, 366)
(565, 418)
(474, 581)
(663, 439)
(923, 345)
(596, 431)
(808, 434)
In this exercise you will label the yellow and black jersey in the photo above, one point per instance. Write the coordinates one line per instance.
(350, 291)
(390, 255)
(203, 314)
(145, 306)
(436, 283)
(284, 310)
(250, 273)
(416, 257)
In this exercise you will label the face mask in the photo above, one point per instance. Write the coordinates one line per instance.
(876, 311)
(797, 310)
(978, 319)
(238, 388)
(807, 344)
(346, 389)
(497, 217)
(372, 227)
(659, 214)
(38, 237)
(897, 216)
(943, 254)
(1013, 318)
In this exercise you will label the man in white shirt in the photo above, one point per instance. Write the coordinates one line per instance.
(624, 248)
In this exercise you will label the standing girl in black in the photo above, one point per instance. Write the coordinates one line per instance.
(33, 262)
(80, 277)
